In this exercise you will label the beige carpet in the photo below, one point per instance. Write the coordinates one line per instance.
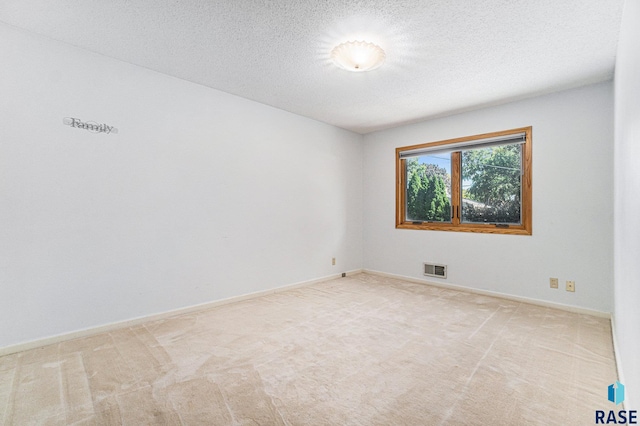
(361, 350)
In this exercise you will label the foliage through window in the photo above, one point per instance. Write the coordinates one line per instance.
(428, 190)
(477, 184)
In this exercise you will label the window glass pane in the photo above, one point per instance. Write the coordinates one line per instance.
(429, 188)
(492, 185)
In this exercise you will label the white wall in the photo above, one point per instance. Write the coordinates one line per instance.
(200, 196)
(627, 202)
(572, 203)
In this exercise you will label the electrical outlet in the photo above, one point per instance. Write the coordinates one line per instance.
(571, 286)
(333, 261)
(553, 282)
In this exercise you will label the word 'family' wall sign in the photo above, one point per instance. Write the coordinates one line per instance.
(91, 126)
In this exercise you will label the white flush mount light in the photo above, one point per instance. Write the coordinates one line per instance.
(358, 56)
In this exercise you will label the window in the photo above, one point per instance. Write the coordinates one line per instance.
(477, 183)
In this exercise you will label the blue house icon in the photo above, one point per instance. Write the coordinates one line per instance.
(616, 394)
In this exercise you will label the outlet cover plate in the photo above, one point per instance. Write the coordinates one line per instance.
(553, 282)
(571, 286)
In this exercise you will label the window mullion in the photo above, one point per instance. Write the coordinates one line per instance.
(456, 184)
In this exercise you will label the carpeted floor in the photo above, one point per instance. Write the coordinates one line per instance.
(361, 350)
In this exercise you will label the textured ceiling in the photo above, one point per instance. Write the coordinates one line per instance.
(443, 56)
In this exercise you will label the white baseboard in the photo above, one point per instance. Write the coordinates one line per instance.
(194, 308)
(32, 344)
(528, 300)
(616, 357)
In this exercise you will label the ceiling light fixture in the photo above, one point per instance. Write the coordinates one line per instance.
(357, 56)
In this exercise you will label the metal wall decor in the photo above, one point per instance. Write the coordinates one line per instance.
(91, 126)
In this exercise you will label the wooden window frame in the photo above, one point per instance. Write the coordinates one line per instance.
(524, 228)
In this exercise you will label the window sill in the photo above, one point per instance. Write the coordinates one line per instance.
(477, 228)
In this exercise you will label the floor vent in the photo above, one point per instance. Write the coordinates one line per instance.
(433, 270)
